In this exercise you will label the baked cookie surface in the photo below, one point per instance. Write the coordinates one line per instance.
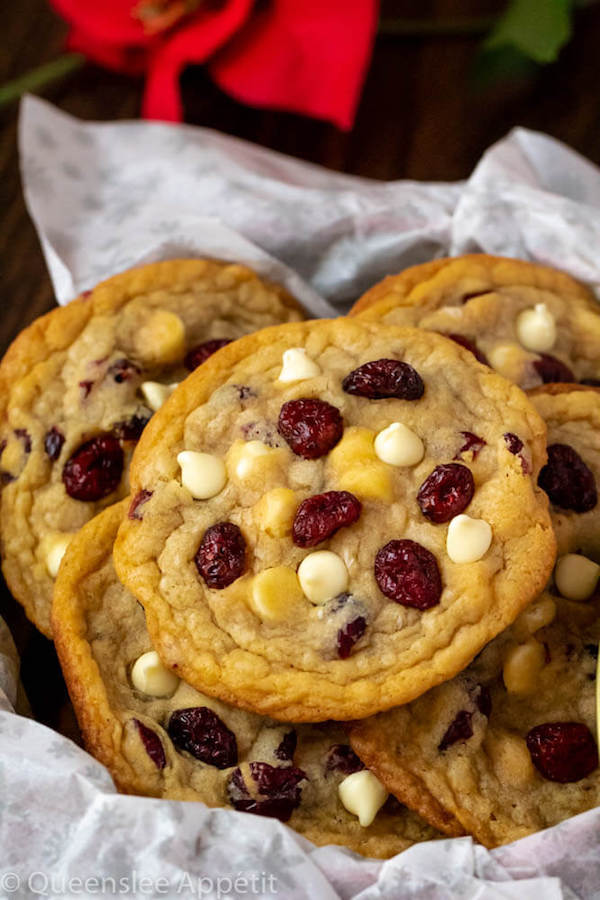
(531, 323)
(508, 747)
(159, 737)
(79, 385)
(328, 518)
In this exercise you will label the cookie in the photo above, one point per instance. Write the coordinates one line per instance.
(509, 746)
(496, 751)
(328, 518)
(159, 737)
(531, 323)
(79, 385)
(570, 477)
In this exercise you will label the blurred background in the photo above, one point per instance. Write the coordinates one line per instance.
(435, 83)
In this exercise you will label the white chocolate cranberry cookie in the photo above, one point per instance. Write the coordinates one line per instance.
(329, 518)
(78, 386)
(570, 477)
(509, 746)
(531, 323)
(160, 737)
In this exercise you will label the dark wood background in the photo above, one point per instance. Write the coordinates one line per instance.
(421, 117)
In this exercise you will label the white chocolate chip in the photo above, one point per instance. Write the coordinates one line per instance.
(297, 366)
(468, 539)
(323, 575)
(576, 576)
(509, 360)
(275, 594)
(149, 676)
(55, 547)
(202, 474)
(363, 795)
(522, 666)
(247, 457)
(399, 446)
(536, 328)
(155, 393)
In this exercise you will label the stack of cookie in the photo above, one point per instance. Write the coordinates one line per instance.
(341, 535)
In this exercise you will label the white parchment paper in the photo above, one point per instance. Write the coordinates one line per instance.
(108, 196)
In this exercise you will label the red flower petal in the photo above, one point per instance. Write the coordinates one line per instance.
(201, 37)
(309, 57)
(107, 21)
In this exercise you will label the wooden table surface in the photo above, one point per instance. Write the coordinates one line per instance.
(420, 117)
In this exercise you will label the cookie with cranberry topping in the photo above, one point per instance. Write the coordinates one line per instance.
(323, 548)
(531, 323)
(79, 385)
(509, 746)
(159, 737)
(571, 476)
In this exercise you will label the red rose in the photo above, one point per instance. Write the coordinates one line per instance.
(306, 56)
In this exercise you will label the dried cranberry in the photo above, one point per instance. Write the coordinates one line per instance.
(221, 556)
(134, 507)
(319, 517)
(467, 297)
(342, 758)
(131, 429)
(94, 470)
(349, 635)
(408, 573)
(152, 743)
(311, 427)
(7, 477)
(244, 391)
(562, 751)
(446, 492)
(550, 369)
(287, 746)
(514, 445)
(567, 480)
(460, 729)
(53, 442)
(202, 733)
(383, 378)
(85, 387)
(122, 370)
(277, 791)
(199, 354)
(469, 345)
(25, 437)
(473, 443)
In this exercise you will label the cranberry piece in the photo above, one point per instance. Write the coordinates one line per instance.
(94, 470)
(349, 635)
(473, 443)
(287, 746)
(152, 743)
(122, 370)
(408, 573)
(384, 378)
(244, 391)
(85, 388)
(514, 445)
(460, 729)
(202, 733)
(467, 297)
(277, 792)
(319, 517)
(85, 294)
(221, 556)
(562, 751)
(567, 480)
(311, 427)
(469, 345)
(199, 354)
(131, 429)
(483, 699)
(342, 758)
(262, 431)
(134, 507)
(25, 437)
(6, 477)
(550, 369)
(53, 442)
(446, 492)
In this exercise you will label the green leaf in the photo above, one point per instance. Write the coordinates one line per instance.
(537, 28)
